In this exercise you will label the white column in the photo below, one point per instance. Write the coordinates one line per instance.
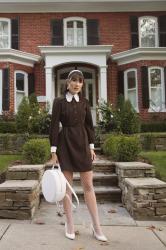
(49, 86)
(103, 83)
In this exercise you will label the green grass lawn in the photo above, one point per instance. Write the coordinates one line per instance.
(6, 160)
(158, 159)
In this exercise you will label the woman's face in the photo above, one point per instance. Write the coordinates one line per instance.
(75, 84)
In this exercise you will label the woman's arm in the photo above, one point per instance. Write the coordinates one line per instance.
(90, 130)
(54, 130)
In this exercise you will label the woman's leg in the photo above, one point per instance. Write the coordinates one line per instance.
(90, 199)
(67, 205)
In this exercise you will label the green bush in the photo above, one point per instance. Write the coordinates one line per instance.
(121, 148)
(8, 127)
(22, 117)
(122, 118)
(153, 127)
(126, 118)
(31, 118)
(36, 151)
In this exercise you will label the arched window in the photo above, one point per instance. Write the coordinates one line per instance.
(130, 87)
(5, 31)
(75, 31)
(21, 87)
(148, 31)
(156, 88)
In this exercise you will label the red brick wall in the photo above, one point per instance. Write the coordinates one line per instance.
(114, 28)
(145, 115)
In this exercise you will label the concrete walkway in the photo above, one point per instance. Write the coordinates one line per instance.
(46, 231)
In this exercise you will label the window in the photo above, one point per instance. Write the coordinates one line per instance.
(5, 33)
(148, 32)
(130, 87)
(75, 33)
(0, 91)
(21, 87)
(156, 88)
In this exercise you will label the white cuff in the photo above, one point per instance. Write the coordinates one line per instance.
(53, 149)
(91, 145)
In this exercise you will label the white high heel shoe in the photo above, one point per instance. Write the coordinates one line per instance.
(98, 237)
(69, 236)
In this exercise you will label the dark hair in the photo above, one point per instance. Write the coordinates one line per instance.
(73, 74)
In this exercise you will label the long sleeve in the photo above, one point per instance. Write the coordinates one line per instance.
(54, 126)
(89, 124)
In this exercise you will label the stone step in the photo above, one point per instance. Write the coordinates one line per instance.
(25, 172)
(104, 166)
(103, 193)
(99, 179)
(19, 199)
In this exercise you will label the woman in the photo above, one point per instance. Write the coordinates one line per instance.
(73, 147)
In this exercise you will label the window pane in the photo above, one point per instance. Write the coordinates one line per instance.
(155, 75)
(132, 98)
(19, 97)
(131, 80)
(156, 98)
(20, 81)
(70, 24)
(80, 24)
(156, 93)
(148, 31)
(4, 34)
(70, 34)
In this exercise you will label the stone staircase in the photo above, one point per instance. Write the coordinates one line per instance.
(105, 182)
(133, 183)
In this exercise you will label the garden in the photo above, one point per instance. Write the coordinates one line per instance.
(119, 132)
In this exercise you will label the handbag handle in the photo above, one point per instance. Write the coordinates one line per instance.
(70, 187)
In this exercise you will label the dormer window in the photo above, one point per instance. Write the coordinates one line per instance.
(5, 30)
(148, 32)
(75, 32)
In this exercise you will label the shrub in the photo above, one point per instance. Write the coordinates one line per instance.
(22, 117)
(153, 127)
(126, 117)
(121, 148)
(122, 118)
(36, 151)
(31, 118)
(8, 127)
(106, 121)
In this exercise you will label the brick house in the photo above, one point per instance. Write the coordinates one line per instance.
(119, 45)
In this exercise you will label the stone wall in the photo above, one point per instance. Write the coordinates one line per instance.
(143, 195)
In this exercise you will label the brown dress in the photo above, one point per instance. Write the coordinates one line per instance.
(77, 132)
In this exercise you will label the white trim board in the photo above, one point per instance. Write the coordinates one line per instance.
(43, 6)
(17, 56)
(139, 54)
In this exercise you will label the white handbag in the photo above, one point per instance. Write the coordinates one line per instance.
(54, 186)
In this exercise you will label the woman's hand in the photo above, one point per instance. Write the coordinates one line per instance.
(53, 160)
(93, 155)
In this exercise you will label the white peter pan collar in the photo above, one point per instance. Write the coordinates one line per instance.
(69, 97)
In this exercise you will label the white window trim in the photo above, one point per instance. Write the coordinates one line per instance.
(126, 86)
(25, 85)
(156, 34)
(9, 30)
(163, 109)
(0, 91)
(65, 20)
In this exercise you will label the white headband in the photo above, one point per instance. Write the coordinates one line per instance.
(75, 71)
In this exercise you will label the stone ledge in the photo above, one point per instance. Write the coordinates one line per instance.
(133, 165)
(145, 183)
(15, 185)
(26, 168)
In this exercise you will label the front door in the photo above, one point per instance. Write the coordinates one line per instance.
(89, 88)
